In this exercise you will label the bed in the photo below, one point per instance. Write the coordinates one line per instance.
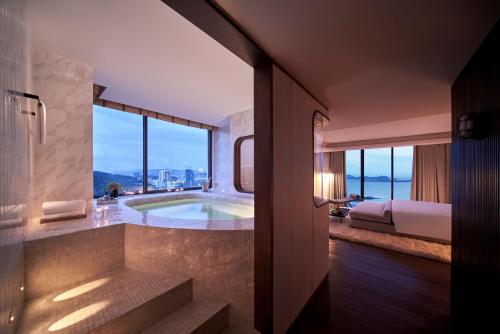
(432, 220)
(423, 220)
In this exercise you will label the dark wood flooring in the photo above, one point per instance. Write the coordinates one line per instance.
(373, 290)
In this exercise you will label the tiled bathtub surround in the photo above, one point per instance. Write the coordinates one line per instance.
(220, 262)
(121, 213)
(14, 161)
(239, 125)
(62, 167)
(218, 255)
(55, 263)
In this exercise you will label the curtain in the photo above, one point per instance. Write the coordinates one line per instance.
(431, 176)
(335, 176)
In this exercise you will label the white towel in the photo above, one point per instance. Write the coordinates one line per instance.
(64, 215)
(62, 207)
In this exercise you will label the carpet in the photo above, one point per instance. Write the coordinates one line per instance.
(340, 229)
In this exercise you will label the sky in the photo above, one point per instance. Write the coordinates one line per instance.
(118, 143)
(378, 162)
(118, 147)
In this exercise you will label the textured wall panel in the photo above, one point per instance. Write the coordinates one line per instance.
(14, 160)
(63, 166)
(240, 124)
(300, 230)
(476, 189)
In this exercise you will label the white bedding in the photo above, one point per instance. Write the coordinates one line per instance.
(422, 218)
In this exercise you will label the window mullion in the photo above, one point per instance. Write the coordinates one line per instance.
(145, 154)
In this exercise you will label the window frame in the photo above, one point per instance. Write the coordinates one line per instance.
(145, 157)
(237, 163)
(362, 172)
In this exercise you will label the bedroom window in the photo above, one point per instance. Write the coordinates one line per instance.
(403, 165)
(353, 172)
(380, 174)
(377, 175)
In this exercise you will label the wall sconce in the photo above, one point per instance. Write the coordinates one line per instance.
(11, 317)
(467, 125)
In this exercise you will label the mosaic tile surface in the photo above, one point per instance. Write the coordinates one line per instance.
(121, 213)
(202, 316)
(86, 306)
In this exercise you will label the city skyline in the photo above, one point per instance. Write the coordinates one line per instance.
(118, 142)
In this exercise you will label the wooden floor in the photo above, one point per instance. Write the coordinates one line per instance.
(372, 290)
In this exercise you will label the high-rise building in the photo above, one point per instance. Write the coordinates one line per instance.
(163, 178)
(189, 174)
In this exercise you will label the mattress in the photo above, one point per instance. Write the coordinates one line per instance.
(426, 219)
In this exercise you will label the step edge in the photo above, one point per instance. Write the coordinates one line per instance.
(217, 309)
(146, 304)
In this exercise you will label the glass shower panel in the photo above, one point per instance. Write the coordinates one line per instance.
(14, 163)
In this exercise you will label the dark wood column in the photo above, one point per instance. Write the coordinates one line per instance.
(476, 191)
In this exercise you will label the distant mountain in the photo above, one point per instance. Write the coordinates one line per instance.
(101, 179)
(381, 178)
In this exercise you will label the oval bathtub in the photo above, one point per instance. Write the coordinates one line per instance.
(195, 210)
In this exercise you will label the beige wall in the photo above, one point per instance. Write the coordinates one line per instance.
(239, 125)
(300, 231)
(62, 168)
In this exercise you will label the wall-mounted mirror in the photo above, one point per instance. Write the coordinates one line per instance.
(243, 164)
(320, 182)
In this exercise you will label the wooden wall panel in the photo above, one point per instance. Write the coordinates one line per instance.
(264, 161)
(282, 175)
(476, 191)
(300, 230)
(301, 205)
(275, 186)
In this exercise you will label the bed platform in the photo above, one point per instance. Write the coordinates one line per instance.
(420, 220)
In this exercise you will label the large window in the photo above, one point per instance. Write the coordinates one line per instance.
(403, 166)
(117, 150)
(177, 156)
(380, 174)
(377, 182)
(353, 172)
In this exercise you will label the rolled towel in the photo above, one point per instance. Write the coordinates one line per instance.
(63, 216)
(60, 207)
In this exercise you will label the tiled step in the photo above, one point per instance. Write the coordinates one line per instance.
(198, 317)
(121, 302)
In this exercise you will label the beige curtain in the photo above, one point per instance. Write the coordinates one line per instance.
(336, 177)
(431, 176)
